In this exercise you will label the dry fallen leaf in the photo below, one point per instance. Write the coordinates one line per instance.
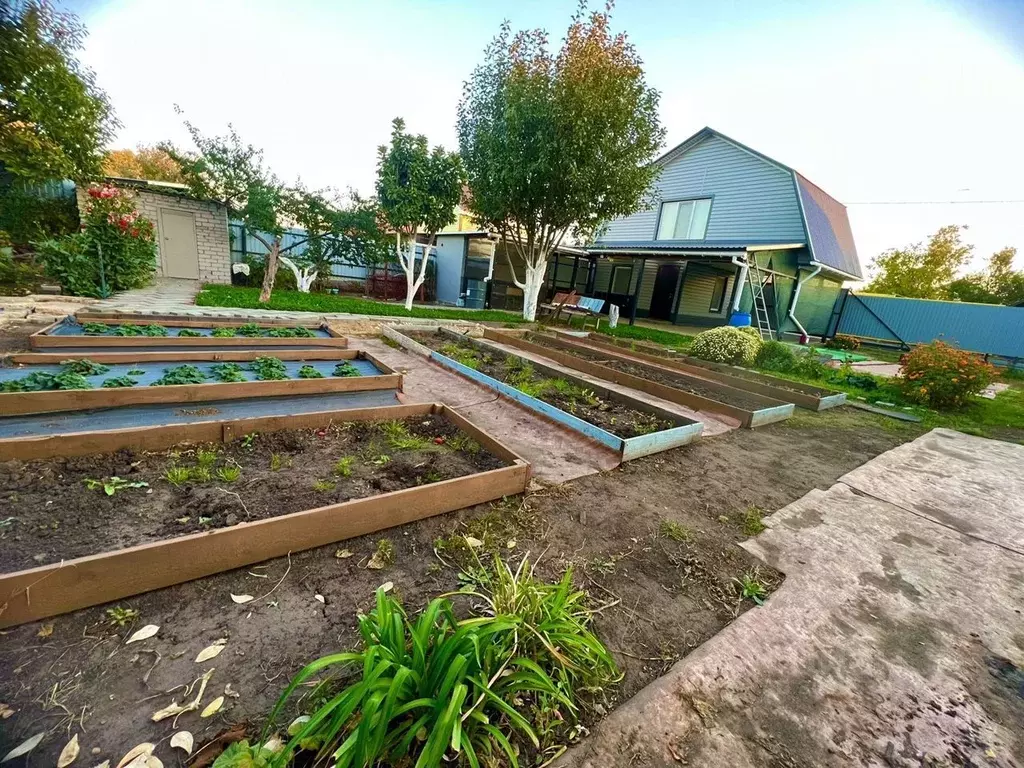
(24, 748)
(474, 542)
(143, 634)
(145, 748)
(387, 586)
(152, 761)
(104, 764)
(230, 693)
(183, 740)
(319, 598)
(375, 563)
(274, 745)
(213, 707)
(241, 599)
(343, 553)
(45, 631)
(5, 711)
(69, 753)
(211, 650)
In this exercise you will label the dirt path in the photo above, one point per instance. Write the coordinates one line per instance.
(73, 674)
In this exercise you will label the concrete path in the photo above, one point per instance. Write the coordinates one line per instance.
(897, 638)
(556, 454)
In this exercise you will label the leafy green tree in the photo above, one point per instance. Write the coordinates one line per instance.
(418, 189)
(54, 120)
(919, 271)
(1000, 284)
(143, 162)
(557, 143)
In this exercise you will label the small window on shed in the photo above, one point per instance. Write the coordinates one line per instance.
(718, 294)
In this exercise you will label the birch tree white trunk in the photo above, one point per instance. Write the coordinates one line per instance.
(304, 278)
(407, 260)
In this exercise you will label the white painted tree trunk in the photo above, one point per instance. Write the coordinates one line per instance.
(531, 285)
(407, 259)
(303, 276)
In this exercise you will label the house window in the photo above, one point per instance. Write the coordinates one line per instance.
(718, 294)
(621, 274)
(684, 220)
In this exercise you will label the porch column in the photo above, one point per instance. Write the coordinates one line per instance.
(591, 274)
(636, 293)
(575, 271)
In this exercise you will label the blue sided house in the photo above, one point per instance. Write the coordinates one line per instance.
(729, 230)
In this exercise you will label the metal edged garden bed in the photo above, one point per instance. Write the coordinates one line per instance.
(685, 431)
(804, 395)
(770, 409)
(52, 401)
(68, 333)
(36, 593)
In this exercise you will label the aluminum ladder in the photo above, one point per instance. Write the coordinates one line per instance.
(761, 317)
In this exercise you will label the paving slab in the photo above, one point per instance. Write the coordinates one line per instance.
(556, 453)
(897, 638)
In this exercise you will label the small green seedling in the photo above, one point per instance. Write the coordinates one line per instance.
(177, 476)
(95, 329)
(119, 381)
(249, 440)
(428, 477)
(229, 474)
(121, 617)
(751, 588)
(343, 466)
(462, 443)
(400, 438)
(669, 529)
(206, 458)
(200, 474)
(309, 372)
(114, 484)
(752, 523)
(381, 460)
(383, 556)
(323, 486)
(188, 333)
(345, 368)
(275, 462)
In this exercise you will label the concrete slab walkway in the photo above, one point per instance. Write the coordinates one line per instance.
(897, 638)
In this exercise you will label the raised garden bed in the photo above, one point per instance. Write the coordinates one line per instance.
(84, 383)
(751, 410)
(804, 395)
(85, 332)
(629, 426)
(96, 528)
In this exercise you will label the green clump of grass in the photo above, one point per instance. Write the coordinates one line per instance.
(205, 458)
(752, 524)
(228, 372)
(322, 486)
(463, 443)
(84, 367)
(309, 372)
(275, 462)
(118, 382)
(343, 466)
(345, 368)
(180, 374)
(268, 368)
(400, 438)
(229, 473)
(669, 529)
(177, 475)
(750, 587)
(468, 357)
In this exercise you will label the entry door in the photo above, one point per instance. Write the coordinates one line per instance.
(664, 291)
(178, 248)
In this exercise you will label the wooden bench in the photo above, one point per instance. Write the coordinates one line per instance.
(585, 308)
(559, 302)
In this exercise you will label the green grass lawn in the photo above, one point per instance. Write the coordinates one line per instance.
(294, 301)
(678, 341)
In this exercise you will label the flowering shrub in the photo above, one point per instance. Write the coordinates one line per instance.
(726, 344)
(941, 376)
(115, 251)
(842, 341)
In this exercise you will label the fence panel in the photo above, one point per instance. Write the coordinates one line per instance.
(990, 329)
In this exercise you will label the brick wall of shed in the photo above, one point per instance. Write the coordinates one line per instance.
(211, 222)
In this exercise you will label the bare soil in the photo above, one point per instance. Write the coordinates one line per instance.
(54, 515)
(14, 337)
(691, 384)
(661, 598)
(609, 415)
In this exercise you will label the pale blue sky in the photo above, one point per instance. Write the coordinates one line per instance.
(901, 100)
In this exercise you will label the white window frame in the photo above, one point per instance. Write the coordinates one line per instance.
(671, 210)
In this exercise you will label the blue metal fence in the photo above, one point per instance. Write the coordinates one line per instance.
(989, 329)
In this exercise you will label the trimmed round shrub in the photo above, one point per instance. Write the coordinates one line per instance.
(775, 356)
(842, 341)
(727, 344)
(941, 376)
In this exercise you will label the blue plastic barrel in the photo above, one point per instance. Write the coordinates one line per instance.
(739, 319)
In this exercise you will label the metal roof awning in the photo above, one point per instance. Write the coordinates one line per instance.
(676, 248)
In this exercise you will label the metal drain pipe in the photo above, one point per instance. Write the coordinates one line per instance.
(796, 297)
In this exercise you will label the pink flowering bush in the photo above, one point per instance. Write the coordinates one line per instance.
(115, 251)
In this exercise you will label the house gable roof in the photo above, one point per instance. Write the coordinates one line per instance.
(829, 236)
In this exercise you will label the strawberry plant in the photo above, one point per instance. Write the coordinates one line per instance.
(228, 372)
(181, 374)
(309, 372)
(345, 368)
(268, 368)
(189, 333)
(223, 333)
(84, 367)
(95, 329)
(119, 381)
